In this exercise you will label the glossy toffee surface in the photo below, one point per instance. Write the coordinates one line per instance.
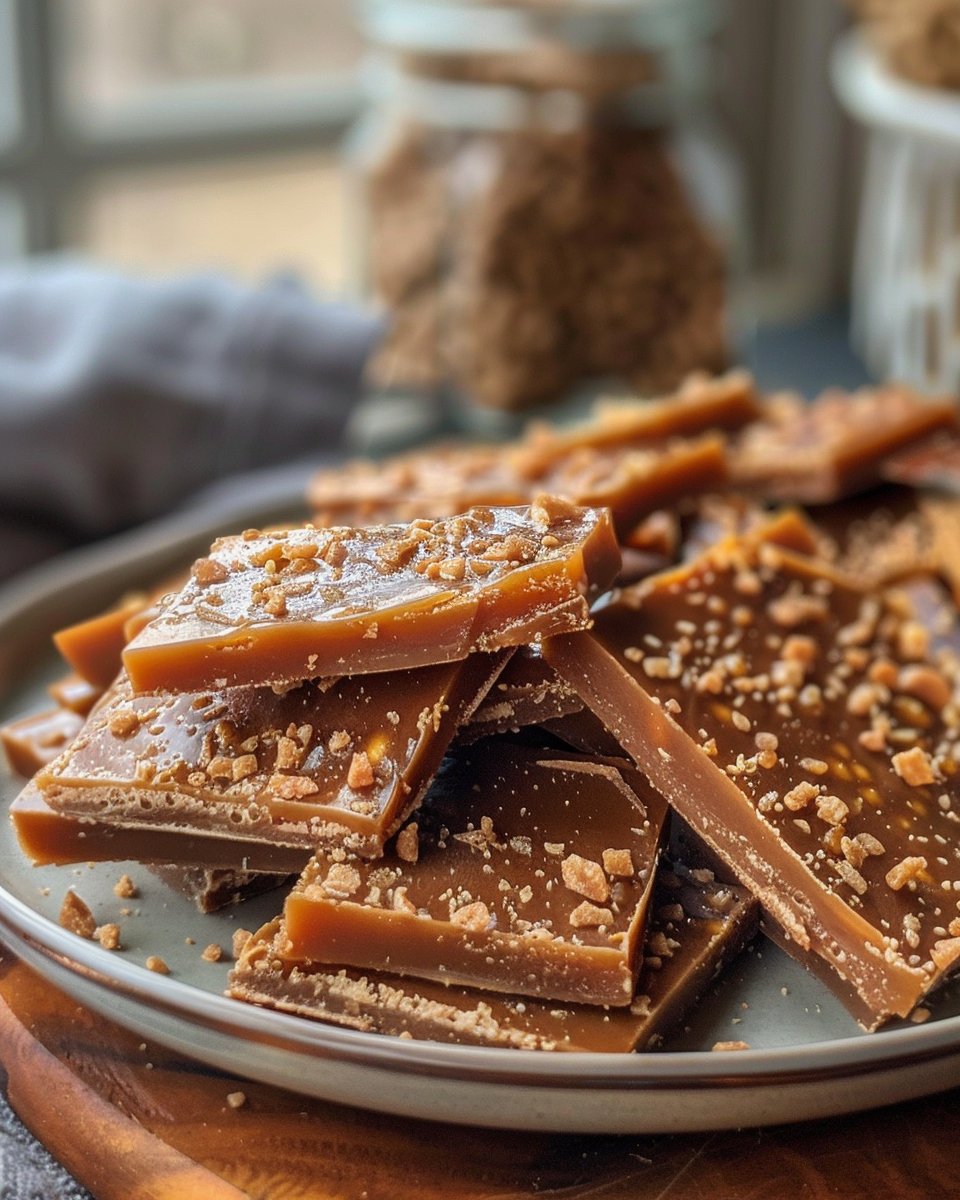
(309, 603)
(695, 926)
(808, 731)
(525, 871)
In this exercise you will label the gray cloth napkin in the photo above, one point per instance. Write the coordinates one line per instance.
(121, 396)
(27, 1171)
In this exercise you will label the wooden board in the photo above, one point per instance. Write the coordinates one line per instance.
(135, 1122)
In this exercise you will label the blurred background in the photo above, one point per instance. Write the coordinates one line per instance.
(539, 199)
(169, 134)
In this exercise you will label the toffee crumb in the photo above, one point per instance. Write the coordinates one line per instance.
(125, 888)
(109, 936)
(76, 917)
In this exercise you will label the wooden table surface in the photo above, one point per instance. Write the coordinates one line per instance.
(145, 1124)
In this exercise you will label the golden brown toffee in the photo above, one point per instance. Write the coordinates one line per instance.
(631, 481)
(934, 463)
(807, 732)
(836, 446)
(328, 760)
(93, 647)
(33, 741)
(523, 872)
(47, 836)
(695, 926)
(309, 603)
(75, 693)
(527, 692)
(617, 453)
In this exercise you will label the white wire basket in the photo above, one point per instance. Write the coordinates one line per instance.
(906, 276)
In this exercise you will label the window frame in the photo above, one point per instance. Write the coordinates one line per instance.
(51, 153)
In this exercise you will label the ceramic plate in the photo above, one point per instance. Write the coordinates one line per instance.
(807, 1058)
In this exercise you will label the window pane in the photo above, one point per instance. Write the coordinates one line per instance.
(9, 77)
(120, 53)
(253, 217)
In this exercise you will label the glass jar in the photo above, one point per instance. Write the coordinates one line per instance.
(548, 202)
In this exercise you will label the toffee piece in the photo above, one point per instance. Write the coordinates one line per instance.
(635, 482)
(48, 837)
(76, 693)
(803, 728)
(340, 761)
(93, 647)
(835, 446)
(525, 871)
(308, 603)
(34, 741)
(621, 443)
(527, 692)
(934, 463)
(694, 929)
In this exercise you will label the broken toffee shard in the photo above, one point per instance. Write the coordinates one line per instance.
(625, 444)
(525, 871)
(336, 760)
(803, 729)
(50, 837)
(835, 446)
(308, 603)
(33, 741)
(695, 927)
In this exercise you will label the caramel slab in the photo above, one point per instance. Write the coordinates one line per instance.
(33, 741)
(76, 693)
(93, 647)
(307, 603)
(701, 403)
(525, 871)
(448, 478)
(694, 929)
(635, 482)
(805, 730)
(835, 446)
(338, 760)
(934, 463)
(527, 692)
(48, 837)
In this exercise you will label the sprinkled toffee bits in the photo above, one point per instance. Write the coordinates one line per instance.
(693, 928)
(257, 766)
(309, 603)
(503, 886)
(815, 748)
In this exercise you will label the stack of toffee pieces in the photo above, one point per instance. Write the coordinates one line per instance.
(528, 810)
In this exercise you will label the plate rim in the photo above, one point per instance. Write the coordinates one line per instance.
(753, 1067)
(809, 1061)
